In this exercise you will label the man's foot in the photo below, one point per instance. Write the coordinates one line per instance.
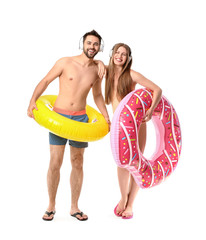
(79, 215)
(48, 216)
(127, 214)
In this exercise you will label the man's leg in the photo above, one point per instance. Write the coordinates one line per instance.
(76, 179)
(53, 175)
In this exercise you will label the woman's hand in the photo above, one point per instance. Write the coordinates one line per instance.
(148, 115)
(108, 121)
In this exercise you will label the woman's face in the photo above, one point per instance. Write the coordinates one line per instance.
(120, 56)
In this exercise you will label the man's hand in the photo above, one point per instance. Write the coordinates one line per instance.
(101, 68)
(31, 107)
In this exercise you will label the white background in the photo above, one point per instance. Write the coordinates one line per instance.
(168, 46)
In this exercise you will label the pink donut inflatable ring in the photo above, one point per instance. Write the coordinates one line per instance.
(124, 138)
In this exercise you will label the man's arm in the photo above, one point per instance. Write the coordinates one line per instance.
(99, 100)
(43, 84)
(101, 68)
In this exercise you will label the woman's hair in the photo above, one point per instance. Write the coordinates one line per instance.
(124, 85)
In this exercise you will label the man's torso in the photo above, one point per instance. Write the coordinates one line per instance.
(75, 83)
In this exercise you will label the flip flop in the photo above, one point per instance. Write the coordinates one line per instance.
(49, 214)
(115, 211)
(79, 213)
(129, 217)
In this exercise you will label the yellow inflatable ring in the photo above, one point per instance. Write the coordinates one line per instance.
(95, 129)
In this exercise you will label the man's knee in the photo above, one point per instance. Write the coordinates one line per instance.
(56, 158)
(77, 160)
(55, 164)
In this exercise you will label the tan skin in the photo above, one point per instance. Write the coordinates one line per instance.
(128, 187)
(77, 75)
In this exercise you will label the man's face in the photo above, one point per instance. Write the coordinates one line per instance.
(91, 46)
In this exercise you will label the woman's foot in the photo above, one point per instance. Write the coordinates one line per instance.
(127, 214)
(119, 209)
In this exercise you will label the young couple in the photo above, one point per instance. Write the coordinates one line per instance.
(84, 71)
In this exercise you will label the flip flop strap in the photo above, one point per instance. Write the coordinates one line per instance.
(49, 213)
(77, 213)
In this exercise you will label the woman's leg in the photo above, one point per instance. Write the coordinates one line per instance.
(134, 188)
(123, 177)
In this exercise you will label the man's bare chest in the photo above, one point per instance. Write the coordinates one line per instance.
(79, 77)
(79, 71)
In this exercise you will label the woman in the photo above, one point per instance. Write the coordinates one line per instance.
(120, 80)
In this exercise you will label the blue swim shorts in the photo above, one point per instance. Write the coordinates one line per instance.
(56, 140)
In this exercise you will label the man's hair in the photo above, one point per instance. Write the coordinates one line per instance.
(93, 33)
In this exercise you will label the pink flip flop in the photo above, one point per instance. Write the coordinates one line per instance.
(129, 217)
(115, 211)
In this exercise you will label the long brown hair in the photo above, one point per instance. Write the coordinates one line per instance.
(124, 85)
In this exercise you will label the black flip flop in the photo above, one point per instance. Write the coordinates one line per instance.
(49, 214)
(79, 213)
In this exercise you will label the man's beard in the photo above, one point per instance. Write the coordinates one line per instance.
(86, 52)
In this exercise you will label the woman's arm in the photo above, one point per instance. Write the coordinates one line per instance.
(157, 92)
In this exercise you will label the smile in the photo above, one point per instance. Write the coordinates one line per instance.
(118, 59)
(91, 51)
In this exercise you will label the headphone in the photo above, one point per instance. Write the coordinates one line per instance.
(111, 53)
(101, 49)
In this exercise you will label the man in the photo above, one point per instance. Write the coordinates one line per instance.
(77, 75)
